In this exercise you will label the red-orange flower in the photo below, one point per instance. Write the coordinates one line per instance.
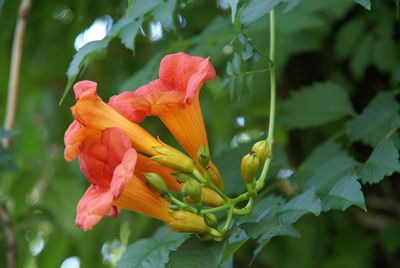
(109, 164)
(174, 98)
(92, 116)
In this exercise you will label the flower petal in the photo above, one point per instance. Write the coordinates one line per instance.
(123, 173)
(186, 73)
(84, 87)
(93, 206)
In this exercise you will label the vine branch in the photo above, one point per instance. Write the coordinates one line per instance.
(270, 137)
(15, 67)
(9, 234)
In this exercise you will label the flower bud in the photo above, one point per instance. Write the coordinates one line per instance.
(211, 198)
(203, 155)
(211, 220)
(261, 150)
(249, 167)
(156, 182)
(181, 177)
(171, 157)
(192, 188)
(185, 221)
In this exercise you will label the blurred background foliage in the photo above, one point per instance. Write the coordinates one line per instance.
(326, 51)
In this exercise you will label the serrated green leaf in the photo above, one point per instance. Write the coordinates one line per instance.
(291, 4)
(165, 14)
(152, 252)
(378, 119)
(141, 7)
(364, 3)
(233, 5)
(385, 53)
(346, 192)
(383, 161)
(274, 219)
(255, 9)
(6, 161)
(83, 57)
(362, 56)
(129, 32)
(348, 37)
(326, 175)
(195, 253)
(236, 240)
(315, 105)
(262, 241)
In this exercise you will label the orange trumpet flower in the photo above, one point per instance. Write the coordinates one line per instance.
(92, 116)
(174, 98)
(108, 162)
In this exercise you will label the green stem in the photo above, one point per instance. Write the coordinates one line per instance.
(206, 181)
(180, 204)
(270, 138)
(228, 220)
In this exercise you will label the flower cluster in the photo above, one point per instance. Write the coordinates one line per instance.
(116, 154)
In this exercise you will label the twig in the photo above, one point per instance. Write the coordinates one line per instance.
(16, 55)
(10, 239)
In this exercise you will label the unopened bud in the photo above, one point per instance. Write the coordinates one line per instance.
(181, 177)
(171, 157)
(156, 182)
(192, 188)
(203, 155)
(261, 150)
(249, 167)
(211, 220)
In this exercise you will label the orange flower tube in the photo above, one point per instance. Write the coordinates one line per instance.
(174, 98)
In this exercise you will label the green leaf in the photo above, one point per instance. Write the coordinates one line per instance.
(141, 7)
(383, 161)
(274, 219)
(83, 57)
(165, 14)
(195, 253)
(364, 3)
(348, 37)
(291, 4)
(346, 192)
(152, 252)
(129, 32)
(6, 133)
(331, 171)
(236, 240)
(315, 105)
(262, 241)
(6, 161)
(362, 56)
(233, 5)
(378, 119)
(255, 9)
(1, 5)
(385, 53)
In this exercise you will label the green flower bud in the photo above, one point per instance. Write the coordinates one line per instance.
(211, 220)
(156, 182)
(261, 150)
(249, 167)
(181, 177)
(192, 188)
(203, 155)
